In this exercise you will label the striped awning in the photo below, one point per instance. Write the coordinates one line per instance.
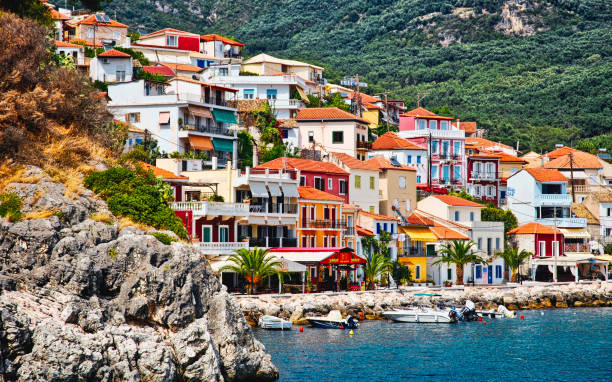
(418, 233)
(575, 233)
(200, 111)
(303, 94)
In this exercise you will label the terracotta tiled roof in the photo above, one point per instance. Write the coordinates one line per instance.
(354, 163)
(503, 157)
(579, 159)
(159, 70)
(484, 144)
(88, 43)
(165, 174)
(57, 15)
(533, 228)
(302, 165)
(312, 193)
(114, 53)
(225, 40)
(365, 98)
(418, 219)
(485, 155)
(183, 67)
(445, 233)
(392, 141)
(383, 163)
(364, 232)
(371, 106)
(91, 19)
(377, 216)
(326, 114)
(582, 212)
(559, 152)
(468, 127)
(546, 174)
(456, 201)
(420, 112)
(64, 44)
(349, 207)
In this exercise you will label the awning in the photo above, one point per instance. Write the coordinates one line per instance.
(286, 265)
(418, 233)
(258, 189)
(224, 145)
(343, 257)
(200, 143)
(404, 260)
(575, 233)
(200, 111)
(604, 258)
(302, 94)
(274, 189)
(164, 117)
(225, 116)
(290, 190)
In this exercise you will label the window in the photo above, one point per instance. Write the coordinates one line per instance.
(325, 241)
(434, 147)
(223, 72)
(357, 181)
(478, 272)
(491, 192)
(116, 35)
(609, 211)
(497, 242)
(330, 183)
(90, 33)
(446, 173)
(271, 93)
(408, 205)
(333, 241)
(418, 178)
(318, 183)
(377, 228)
(471, 216)
(372, 183)
(372, 209)
(171, 41)
(164, 118)
(310, 136)
(434, 172)
(456, 216)
(409, 160)
(285, 133)
(342, 186)
(422, 124)
(402, 182)
(477, 190)
(313, 272)
(313, 241)
(498, 271)
(120, 76)
(479, 243)
(417, 272)
(132, 117)
(418, 159)
(248, 93)
(305, 241)
(313, 213)
(513, 170)
(457, 147)
(385, 227)
(433, 125)
(541, 248)
(302, 180)
(457, 172)
(337, 136)
(444, 125)
(555, 248)
(445, 147)
(223, 234)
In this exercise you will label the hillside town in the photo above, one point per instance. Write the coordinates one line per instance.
(357, 172)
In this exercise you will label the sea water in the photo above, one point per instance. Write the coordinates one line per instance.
(547, 345)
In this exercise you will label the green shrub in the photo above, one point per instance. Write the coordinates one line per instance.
(135, 196)
(10, 206)
(164, 238)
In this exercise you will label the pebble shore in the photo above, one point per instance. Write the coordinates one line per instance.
(371, 304)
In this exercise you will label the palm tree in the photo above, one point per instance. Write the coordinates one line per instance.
(459, 253)
(254, 265)
(513, 259)
(377, 265)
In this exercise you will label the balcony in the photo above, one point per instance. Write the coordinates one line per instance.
(201, 98)
(564, 222)
(580, 188)
(552, 200)
(413, 252)
(577, 247)
(493, 176)
(273, 242)
(223, 248)
(364, 145)
(212, 208)
(349, 231)
(323, 224)
(287, 104)
(288, 209)
(458, 134)
(208, 128)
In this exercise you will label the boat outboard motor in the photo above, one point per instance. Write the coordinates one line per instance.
(468, 313)
(351, 322)
(453, 315)
(505, 312)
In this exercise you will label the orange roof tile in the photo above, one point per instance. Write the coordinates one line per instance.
(302, 165)
(533, 228)
(546, 174)
(364, 232)
(114, 53)
(182, 67)
(456, 201)
(354, 163)
(57, 15)
(420, 112)
(468, 127)
(349, 207)
(503, 157)
(312, 193)
(559, 152)
(64, 44)
(225, 40)
(377, 216)
(418, 219)
(579, 159)
(159, 70)
(327, 113)
(383, 163)
(392, 141)
(91, 19)
(486, 155)
(160, 172)
(445, 233)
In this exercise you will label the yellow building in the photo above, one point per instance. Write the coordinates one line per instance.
(320, 221)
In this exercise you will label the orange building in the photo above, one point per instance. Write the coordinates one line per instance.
(320, 221)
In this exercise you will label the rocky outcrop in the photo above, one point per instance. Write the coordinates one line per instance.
(370, 305)
(83, 300)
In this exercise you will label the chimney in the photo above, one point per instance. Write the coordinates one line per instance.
(458, 124)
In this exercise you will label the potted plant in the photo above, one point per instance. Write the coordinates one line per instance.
(246, 200)
(244, 238)
(448, 283)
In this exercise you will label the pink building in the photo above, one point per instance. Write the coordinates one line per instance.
(483, 181)
(445, 144)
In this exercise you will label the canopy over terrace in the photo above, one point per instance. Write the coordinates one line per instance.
(579, 265)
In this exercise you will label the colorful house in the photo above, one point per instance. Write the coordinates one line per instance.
(394, 148)
(99, 28)
(320, 221)
(378, 223)
(483, 181)
(397, 187)
(543, 242)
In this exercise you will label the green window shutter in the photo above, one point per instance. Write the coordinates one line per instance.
(224, 145)
(224, 116)
(357, 181)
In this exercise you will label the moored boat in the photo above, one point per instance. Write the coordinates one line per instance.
(423, 315)
(274, 323)
(333, 320)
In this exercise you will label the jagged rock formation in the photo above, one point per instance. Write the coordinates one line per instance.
(84, 300)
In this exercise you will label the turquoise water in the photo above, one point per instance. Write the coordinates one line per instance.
(560, 345)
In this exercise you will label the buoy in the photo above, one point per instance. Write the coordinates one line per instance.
(522, 317)
(301, 329)
(479, 319)
(484, 322)
(341, 327)
(351, 332)
(541, 313)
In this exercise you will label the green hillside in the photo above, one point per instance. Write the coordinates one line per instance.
(536, 71)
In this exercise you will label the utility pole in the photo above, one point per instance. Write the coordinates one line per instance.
(555, 244)
(429, 161)
(571, 158)
(420, 96)
(386, 94)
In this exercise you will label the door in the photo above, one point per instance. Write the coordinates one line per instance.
(333, 217)
(206, 234)
(223, 234)
(304, 216)
(490, 274)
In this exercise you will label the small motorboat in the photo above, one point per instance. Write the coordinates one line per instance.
(333, 320)
(274, 323)
(502, 312)
(423, 315)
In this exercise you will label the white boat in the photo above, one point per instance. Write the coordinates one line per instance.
(502, 312)
(274, 323)
(333, 320)
(423, 315)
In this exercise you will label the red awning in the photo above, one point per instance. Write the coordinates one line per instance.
(345, 256)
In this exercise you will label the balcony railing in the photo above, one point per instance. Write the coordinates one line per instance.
(287, 104)
(213, 208)
(552, 200)
(364, 145)
(330, 224)
(484, 175)
(201, 98)
(290, 209)
(564, 222)
(273, 242)
(580, 188)
(434, 133)
(222, 248)
(576, 247)
(349, 231)
(205, 128)
(413, 252)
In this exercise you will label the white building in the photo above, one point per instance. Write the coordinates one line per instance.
(76, 52)
(182, 115)
(111, 66)
(377, 223)
(393, 147)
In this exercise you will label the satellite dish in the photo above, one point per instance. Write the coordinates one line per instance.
(227, 48)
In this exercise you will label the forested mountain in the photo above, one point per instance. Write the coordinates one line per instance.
(538, 71)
